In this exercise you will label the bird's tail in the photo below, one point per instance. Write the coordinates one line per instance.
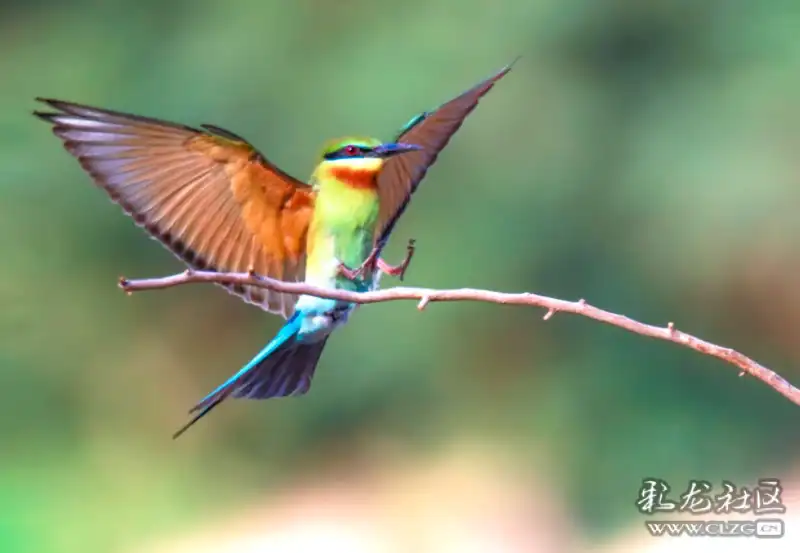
(283, 368)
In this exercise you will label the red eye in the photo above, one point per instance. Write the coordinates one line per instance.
(351, 150)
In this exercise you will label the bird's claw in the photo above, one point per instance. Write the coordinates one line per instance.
(399, 270)
(373, 261)
(354, 274)
(348, 273)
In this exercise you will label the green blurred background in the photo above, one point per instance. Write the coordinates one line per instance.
(641, 155)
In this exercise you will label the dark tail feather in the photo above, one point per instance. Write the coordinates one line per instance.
(284, 368)
(287, 373)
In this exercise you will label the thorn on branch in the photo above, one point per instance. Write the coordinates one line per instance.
(671, 328)
(549, 314)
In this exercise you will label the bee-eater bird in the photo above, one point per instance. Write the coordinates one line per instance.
(218, 204)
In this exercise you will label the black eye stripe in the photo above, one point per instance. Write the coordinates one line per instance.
(342, 152)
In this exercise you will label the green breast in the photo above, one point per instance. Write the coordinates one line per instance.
(345, 220)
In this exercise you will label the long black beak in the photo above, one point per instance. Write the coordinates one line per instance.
(393, 149)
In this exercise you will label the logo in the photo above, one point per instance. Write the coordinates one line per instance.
(700, 498)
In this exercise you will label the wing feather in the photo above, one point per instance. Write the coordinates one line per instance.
(207, 195)
(432, 130)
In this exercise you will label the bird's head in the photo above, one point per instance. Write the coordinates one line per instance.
(351, 157)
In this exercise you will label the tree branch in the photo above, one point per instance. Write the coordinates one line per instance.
(426, 295)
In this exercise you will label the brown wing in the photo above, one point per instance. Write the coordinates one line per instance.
(209, 197)
(432, 130)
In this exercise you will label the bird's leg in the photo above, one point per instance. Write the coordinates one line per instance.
(399, 270)
(368, 265)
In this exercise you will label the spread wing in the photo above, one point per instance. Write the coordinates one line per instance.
(432, 130)
(208, 196)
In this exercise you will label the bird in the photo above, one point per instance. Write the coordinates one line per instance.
(218, 204)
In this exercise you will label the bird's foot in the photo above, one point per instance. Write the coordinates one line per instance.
(399, 270)
(357, 273)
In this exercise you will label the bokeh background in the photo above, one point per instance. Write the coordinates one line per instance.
(641, 155)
